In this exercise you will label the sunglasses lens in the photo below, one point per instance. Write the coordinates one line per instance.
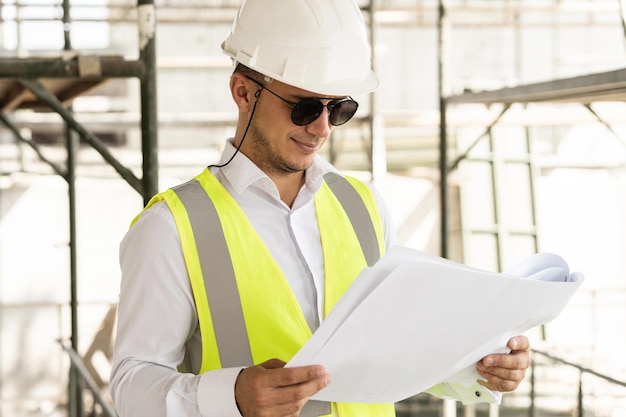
(343, 111)
(306, 111)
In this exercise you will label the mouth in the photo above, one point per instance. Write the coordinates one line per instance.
(307, 146)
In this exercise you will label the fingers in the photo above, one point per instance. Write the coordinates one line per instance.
(519, 343)
(273, 364)
(269, 389)
(499, 379)
(504, 372)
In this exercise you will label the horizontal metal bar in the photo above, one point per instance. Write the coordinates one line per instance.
(110, 67)
(604, 86)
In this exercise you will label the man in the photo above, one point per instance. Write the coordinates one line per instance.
(226, 276)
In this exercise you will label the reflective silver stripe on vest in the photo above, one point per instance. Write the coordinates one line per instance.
(219, 277)
(360, 218)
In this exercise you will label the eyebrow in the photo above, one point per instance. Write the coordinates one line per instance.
(330, 99)
(304, 97)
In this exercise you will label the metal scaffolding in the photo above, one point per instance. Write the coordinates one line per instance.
(583, 89)
(35, 83)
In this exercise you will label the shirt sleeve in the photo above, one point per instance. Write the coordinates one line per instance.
(156, 318)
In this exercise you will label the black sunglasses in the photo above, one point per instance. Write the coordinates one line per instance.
(308, 110)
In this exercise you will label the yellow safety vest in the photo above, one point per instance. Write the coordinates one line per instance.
(247, 311)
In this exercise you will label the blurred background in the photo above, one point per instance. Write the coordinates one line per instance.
(499, 130)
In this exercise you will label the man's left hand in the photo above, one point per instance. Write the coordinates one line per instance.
(504, 372)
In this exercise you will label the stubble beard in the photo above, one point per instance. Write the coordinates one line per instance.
(266, 157)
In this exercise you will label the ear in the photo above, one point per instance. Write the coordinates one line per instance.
(243, 92)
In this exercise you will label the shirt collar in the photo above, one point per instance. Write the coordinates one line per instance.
(241, 172)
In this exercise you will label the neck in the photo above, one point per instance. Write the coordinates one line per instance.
(288, 186)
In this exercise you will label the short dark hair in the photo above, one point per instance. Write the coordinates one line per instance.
(248, 72)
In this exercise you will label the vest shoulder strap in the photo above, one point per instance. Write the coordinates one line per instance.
(358, 202)
(223, 296)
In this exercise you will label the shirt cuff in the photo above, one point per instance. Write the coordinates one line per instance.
(216, 393)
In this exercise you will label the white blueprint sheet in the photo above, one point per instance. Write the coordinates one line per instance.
(414, 320)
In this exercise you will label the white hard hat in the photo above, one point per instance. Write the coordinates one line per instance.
(317, 45)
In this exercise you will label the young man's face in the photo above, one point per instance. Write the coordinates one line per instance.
(274, 142)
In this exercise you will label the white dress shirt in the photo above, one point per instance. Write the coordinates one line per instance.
(157, 318)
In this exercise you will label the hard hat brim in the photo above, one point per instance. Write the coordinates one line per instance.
(349, 87)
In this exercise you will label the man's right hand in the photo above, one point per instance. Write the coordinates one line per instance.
(271, 390)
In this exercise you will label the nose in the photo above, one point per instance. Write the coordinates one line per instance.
(321, 126)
